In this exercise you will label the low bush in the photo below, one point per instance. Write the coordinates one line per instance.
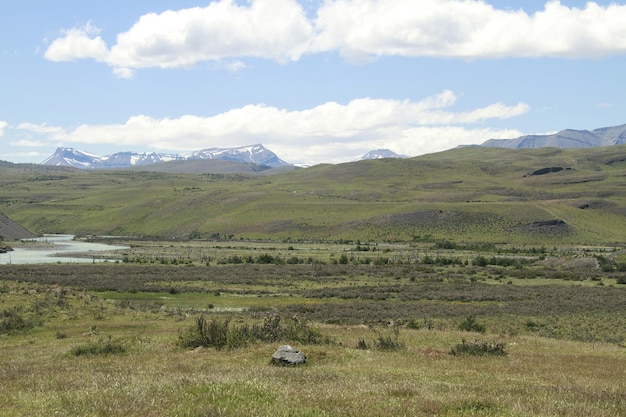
(478, 348)
(362, 345)
(220, 334)
(387, 341)
(205, 332)
(13, 321)
(413, 324)
(471, 325)
(100, 347)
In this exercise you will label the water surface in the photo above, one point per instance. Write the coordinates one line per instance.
(56, 249)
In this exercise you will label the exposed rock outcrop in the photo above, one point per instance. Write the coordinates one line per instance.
(286, 355)
(9, 230)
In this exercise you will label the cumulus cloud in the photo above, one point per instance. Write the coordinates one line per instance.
(284, 30)
(469, 29)
(330, 132)
(223, 30)
(78, 43)
(3, 126)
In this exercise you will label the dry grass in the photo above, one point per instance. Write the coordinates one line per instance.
(42, 376)
(538, 377)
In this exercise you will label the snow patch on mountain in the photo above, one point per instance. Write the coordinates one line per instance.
(253, 154)
(380, 154)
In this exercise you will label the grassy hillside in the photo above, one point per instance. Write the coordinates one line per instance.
(532, 196)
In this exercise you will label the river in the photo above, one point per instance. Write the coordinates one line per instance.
(53, 248)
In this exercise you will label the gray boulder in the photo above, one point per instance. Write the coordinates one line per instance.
(286, 355)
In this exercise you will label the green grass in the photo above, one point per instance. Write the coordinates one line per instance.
(103, 339)
(465, 195)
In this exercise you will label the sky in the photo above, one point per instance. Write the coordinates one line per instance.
(315, 81)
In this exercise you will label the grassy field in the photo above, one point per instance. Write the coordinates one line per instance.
(107, 339)
(470, 194)
(473, 282)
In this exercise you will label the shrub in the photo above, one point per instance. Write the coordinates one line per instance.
(480, 261)
(293, 260)
(386, 341)
(413, 324)
(220, 334)
(205, 332)
(13, 321)
(266, 258)
(362, 345)
(471, 325)
(100, 347)
(478, 348)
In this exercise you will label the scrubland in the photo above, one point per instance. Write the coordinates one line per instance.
(109, 339)
(473, 282)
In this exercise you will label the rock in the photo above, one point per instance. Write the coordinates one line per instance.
(288, 356)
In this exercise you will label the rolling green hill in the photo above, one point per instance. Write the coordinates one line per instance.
(473, 194)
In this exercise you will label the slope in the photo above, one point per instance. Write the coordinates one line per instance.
(9, 230)
(525, 196)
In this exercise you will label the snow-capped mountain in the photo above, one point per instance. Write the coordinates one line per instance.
(380, 154)
(254, 154)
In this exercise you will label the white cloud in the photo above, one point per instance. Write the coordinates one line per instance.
(78, 43)
(40, 128)
(272, 29)
(26, 143)
(3, 126)
(469, 29)
(330, 132)
(359, 29)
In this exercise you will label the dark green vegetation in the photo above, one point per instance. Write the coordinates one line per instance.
(221, 334)
(547, 196)
(479, 347)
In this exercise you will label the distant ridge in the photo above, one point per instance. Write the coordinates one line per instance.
(253, 154)
(568, 138)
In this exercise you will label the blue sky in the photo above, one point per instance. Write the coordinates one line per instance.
(313, 80)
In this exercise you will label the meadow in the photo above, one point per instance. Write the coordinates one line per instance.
(392, 324)
(472, 282)
(463, 195)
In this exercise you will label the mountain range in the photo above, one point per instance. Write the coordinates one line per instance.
(258, 158)
(257, 155)
(568, 138)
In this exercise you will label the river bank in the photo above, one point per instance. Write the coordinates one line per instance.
(59, 249)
